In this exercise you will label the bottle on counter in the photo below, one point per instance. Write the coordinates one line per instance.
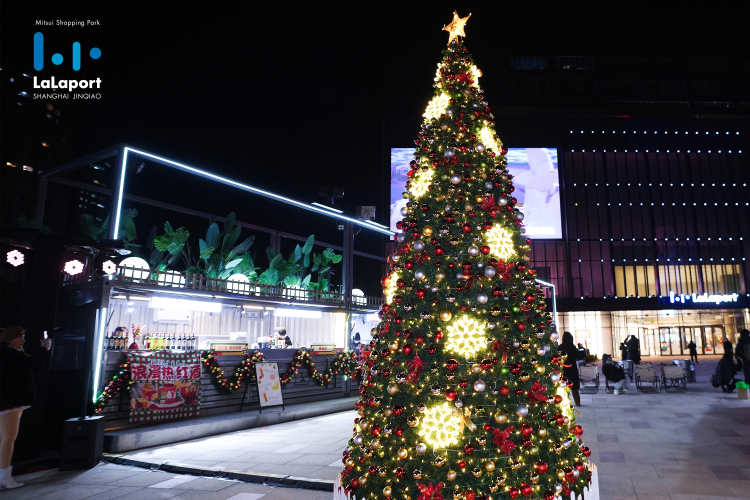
(193, 342)
(146, 341)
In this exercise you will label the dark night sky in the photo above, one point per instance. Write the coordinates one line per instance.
(288, 98)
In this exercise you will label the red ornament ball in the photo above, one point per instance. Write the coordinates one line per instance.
(409, 264)
(468, 448)
(505, 390)
(375, 430)
(577, 430)
(527, 430)
(451, 364)
(580, 466)
(406, 349)
(462, 464)
(420, 293)
(466, 227)
(450, 394)
(521, 326)
(399, 431)
(470, 495)
(541, 467)
(485, 250)
(514, 492)
(526, 490)
(439, 250)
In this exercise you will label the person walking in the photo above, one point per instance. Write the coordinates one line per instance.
(570, 368)
(615, 373)
(743, 353)
(634, 349)
(16, 393)
(726, 369)
(693, 351)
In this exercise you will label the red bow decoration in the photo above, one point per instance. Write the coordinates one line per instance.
(419, 258)
(500, 438)
(503, 345)
(471, 280)
(415, 367)
(566, 491)
(463, 76)
(430, 492)
(536, 392)
(488, 203)
(507, 276)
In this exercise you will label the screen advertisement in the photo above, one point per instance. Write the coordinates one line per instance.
(535, 177)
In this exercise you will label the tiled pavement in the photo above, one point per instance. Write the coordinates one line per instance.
(693, 446)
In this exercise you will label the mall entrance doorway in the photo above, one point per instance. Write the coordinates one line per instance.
(674, 340)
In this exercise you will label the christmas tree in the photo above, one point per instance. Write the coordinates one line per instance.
(463, 395)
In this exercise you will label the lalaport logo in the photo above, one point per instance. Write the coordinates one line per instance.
(64, 85)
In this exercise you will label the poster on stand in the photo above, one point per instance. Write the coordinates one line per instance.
(269, 384)
(166, 386)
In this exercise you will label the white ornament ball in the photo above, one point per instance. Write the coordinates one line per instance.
(491, 326)
(358, 439)
(566, 443)
(473, 250)
(503, 200)
(448, 153)
(479, 147)
(419, 245)
(489, 271)
(482, 298)
(554, 335)
(449, 111)
(460, 276)
(395, 257)
(479, 386)
(404, 211)
(558, 488)
(434, 289)
(522, 410)
(487, 185)
(519, 216)
(421, 448)
(455, 179)
(401, 238)
(554, 377)
(419, 274)
(459, 403)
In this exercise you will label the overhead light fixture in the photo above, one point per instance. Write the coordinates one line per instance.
(187, 305)
(297, 313)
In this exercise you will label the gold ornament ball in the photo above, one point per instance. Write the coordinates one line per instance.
(501, 417)
(392, 389)
(534, 477)
(534, 450)
(450, 475)
(393, 346)
(475, 369)
(388, 412)
(402, 453)
(458, 495)
(515, 465)
(375, 444)
(381, 453)
(493, 488)
(445, 315)
(417, 474)
(501, 480)
(382, 471)
(480, 199)
(440, 275)
(364, 424)
(387, 491)
(524, 376)
(560, 474)
(540, 369)
(363, 480)
(439, 462)
(349, 462)
(476, 471)
(468, 207)
(542, 431)
(489, 466)
(427, 230)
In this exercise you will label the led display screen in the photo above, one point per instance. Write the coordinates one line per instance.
(535, 177)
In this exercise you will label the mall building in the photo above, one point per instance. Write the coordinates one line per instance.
(653, 164)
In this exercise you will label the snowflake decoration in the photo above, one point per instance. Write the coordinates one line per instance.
(421, 183)
(109, 267)
(390, 288)
(500, 241)
(73, 267)
(466, 336)
(436, 106)
(487, 137)
(440, 426)
(475, 73)
(14, 258)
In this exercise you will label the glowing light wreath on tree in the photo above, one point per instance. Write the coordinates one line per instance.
(500, 241)
(390, 288)
(440, 427)
(466, 336)
(436, 106)
(421, 183)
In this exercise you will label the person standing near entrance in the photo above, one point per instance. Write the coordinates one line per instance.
(726, 369)
(743, 353)
(570, 368)
(16, 393)
(693, 351)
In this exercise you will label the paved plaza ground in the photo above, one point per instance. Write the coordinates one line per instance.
(647, 446)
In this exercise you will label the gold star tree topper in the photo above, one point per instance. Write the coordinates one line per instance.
(456, 27)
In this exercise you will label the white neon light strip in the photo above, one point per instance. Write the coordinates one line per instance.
(327, 208)
(119, 195)
(554, 299)
(297, 313)
(244, 187)
(187, 305)
(376, 224)
(100, 325)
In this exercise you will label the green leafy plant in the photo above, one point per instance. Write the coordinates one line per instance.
(168, 248)
(219, 256)
(27, 223)
(90, 226)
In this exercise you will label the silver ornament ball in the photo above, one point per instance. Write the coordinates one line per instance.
(479, 386)
(520, 216)
(448, 153)
(419, 274)
(522, 411)
(455, 179)
(479, 147)
(473, 250)
(482, 298)
(404, 211)
(419, 245)
(503, 200)
(421, 448)
(489, 271)
(487, 185)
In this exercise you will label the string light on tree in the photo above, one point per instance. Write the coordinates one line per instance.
(466, 336)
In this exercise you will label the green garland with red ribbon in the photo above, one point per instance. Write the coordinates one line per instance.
(345, 362)
(114, 387)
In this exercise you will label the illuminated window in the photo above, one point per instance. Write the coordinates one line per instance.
(722, 279)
